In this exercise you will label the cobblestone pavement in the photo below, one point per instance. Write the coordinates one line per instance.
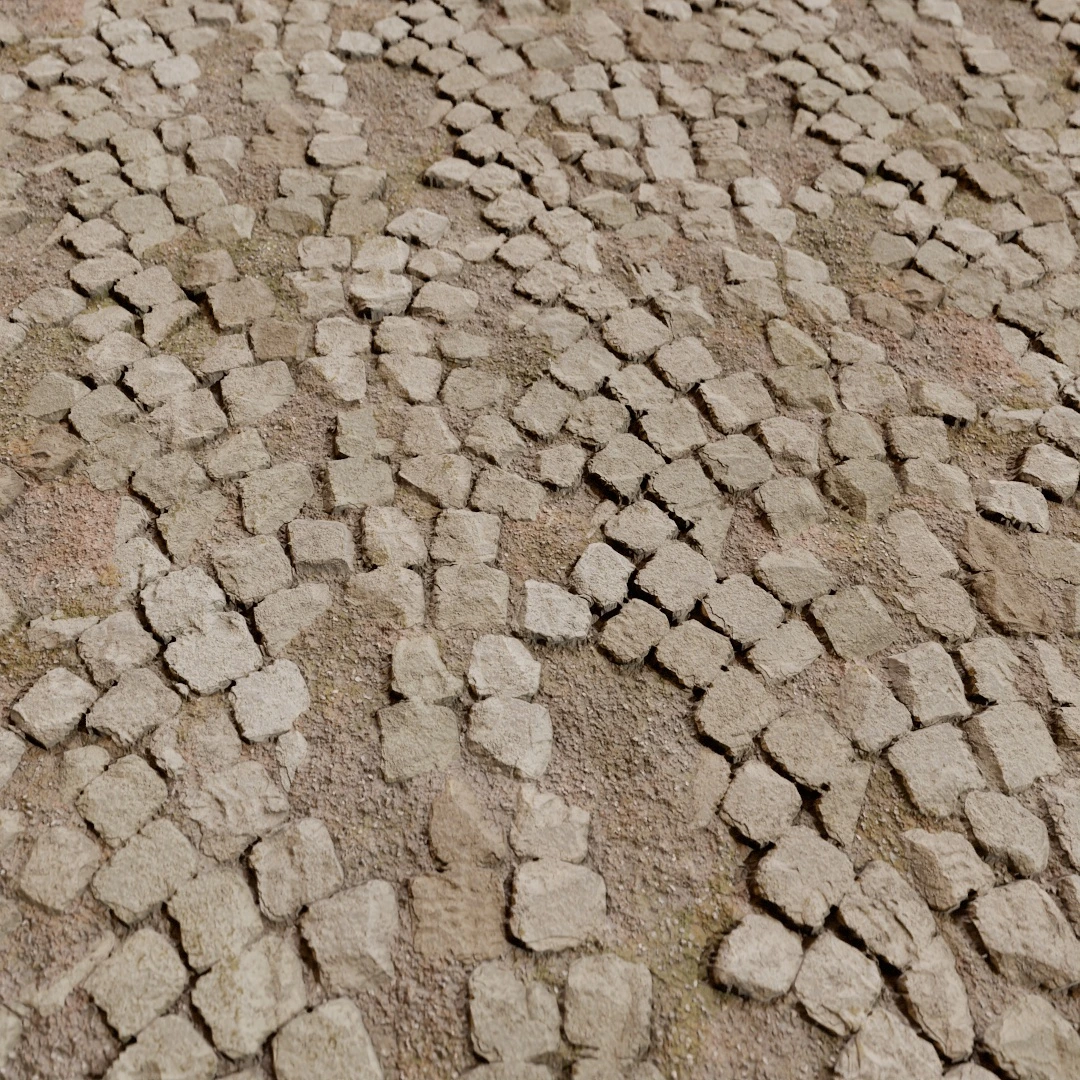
(540, 542)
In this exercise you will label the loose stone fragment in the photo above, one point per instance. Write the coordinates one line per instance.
(294, 867)
(804, 876)
(630, 635)
(470, 596)
(236, 805)
(741, 610)
(807, 747)
(1005, 828)
(556, 905)
(676, 578)
(837, 985)
(1063, 805)
(760, 958)
(502, 665)
(791, 504)
(252, 568)
(351, 935)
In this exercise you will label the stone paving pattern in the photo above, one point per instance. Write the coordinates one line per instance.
(230, 935)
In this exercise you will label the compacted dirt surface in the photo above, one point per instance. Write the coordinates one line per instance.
(539, 541)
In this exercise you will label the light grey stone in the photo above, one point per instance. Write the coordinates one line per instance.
(417, 737)
(759, 958)
(926, 681)
(837, 985)
(945, 867)
(1026, 935)
(512, 1021)
(122, 799)
(146, 871)
(804, 876)
(888, 915)
(216, 914)
(61, 864)
(246, 1000)
(138, 982)
(556, 905)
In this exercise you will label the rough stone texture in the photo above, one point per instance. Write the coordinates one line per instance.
(760, 958)
(837, 985)
(1004, 828)
(888, 915)
(330, 1041)
(169, 1046)
(804, 876)
(1029, 1037)
(885, 1048)
(1013, 746)
(855, 622)
(1026, 935)
(146, 871)
(138, 982)
(556, 905)
(459, 913)
(266, 703)
(926, 681)
(935, 994)
(512, 1021)
(937, 768)
(945, 868)
(61, 864)
(122, 799)
(760, 803)
(248, 999)
(52, 708)
(294, 867)
(512, 734)
(608, 1006)
(217, 916)
(417, 737)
